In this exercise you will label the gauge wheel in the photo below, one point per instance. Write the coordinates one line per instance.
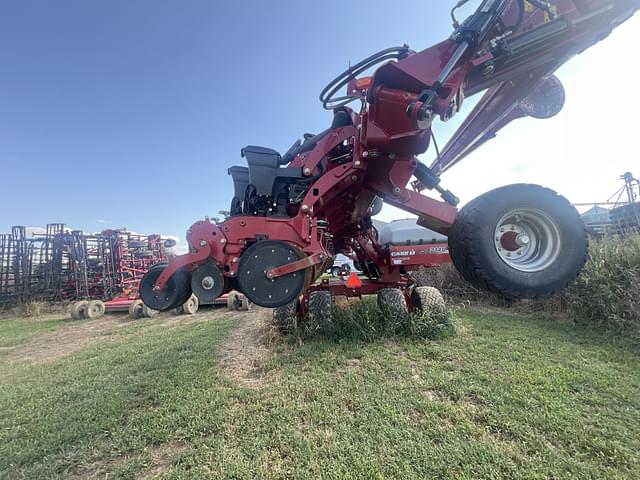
(261, 257)
(175, 292)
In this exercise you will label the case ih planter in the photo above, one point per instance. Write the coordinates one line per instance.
(292, 213)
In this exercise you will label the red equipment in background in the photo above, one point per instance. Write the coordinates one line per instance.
(59, 264)
(292, 213)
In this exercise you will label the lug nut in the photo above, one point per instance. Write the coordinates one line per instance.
(306, 172)
(203, 243)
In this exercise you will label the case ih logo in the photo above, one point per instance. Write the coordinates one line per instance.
(403, 253)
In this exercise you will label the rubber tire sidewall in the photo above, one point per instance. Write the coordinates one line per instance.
(474, 254)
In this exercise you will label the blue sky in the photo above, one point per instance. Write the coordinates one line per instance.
(128, 112)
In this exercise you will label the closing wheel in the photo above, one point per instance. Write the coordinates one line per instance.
(79, 310)
(95, 309)
(320, 309)
(393, 304)
(256, 261)
(285, 317)
(175, 292)
(520, 241)
(207, 282)
(428, 300)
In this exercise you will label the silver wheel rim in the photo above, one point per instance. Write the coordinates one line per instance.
(527, 239)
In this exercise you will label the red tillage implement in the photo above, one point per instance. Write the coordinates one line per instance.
(292, 213)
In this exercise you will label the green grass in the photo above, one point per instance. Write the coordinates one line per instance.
(507, 397)
(16, 332)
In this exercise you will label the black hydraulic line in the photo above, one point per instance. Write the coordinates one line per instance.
(327, 93)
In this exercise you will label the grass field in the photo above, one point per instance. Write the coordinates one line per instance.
(507, 397)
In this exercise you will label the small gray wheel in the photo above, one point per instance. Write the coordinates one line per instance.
(95, 309)
(191, 306)
(135, 309)
(237, 301)
(285, 317)
(320, 309)
(233, 300)
(149, 312)
(393, 304)
(79, 310)
(428, 300)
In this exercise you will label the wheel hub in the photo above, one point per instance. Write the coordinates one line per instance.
(207, 282)
(527, 240)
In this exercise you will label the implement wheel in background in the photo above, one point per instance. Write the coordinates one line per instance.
(176, 291)
(149, 312)
(191, 305)
(135, 309)
(393, 304)
(79, 310)
(95, 309)
(237, 301)
(520, 241)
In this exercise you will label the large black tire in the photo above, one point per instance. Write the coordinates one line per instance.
(476, 248)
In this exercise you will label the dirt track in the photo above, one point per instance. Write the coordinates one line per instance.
(240, 356)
